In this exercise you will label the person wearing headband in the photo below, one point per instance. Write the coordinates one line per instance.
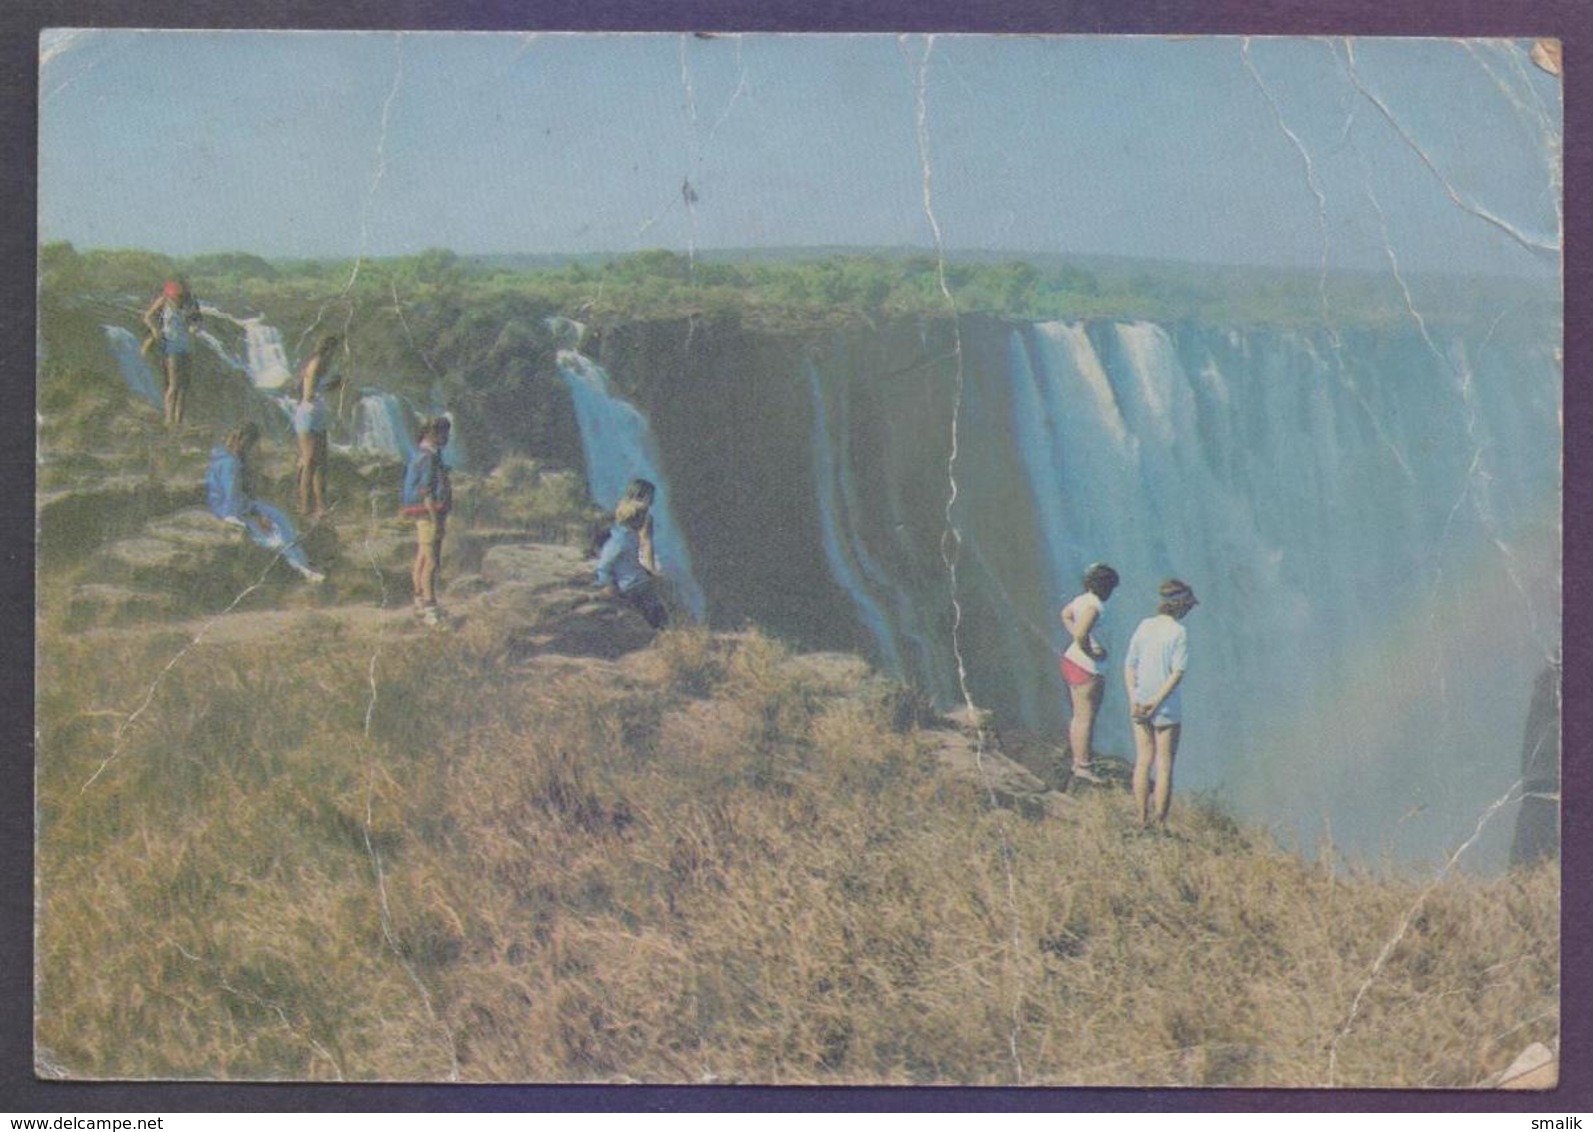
(172, 319)
(1153, 672)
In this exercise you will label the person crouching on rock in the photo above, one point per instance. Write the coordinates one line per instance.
(641, 493)
(427, 497)
(619, 568)
(227, 492)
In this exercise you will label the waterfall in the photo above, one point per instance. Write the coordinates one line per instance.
(265, 358)
(221, 351)
(1351, 519)
(140, 376)
(1371, 524)
(620, 447)
(383, 424)
(835, 499)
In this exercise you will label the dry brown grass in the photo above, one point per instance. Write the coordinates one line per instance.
(704, 866)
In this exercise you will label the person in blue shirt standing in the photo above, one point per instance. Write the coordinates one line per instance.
(1158, 655)
(620, 570)
(428, 496)
(227, 493)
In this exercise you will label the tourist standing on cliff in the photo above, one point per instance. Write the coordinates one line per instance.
(427, 497)
(231, 499)
(1153, 672)
(1081, 664)
(172, 319)
(311, 419)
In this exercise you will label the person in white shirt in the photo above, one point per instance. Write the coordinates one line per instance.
(1080, 664)
(1153, 671)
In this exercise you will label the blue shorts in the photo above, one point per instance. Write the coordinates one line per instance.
(310, 417)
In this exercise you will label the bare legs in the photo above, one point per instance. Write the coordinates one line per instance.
(1154, 748)
(428, 557)
(312, 474)
(1081, 729)
(176, 388)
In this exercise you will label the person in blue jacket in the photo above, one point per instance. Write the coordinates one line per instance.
(620, 569)
(227, 493)
(427, 498)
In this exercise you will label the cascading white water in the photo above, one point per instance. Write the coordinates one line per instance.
(218, 348)
(1370, 522)
(841, 551)
(383, 424)
(139, 374)
(619, 447)
(265, 359)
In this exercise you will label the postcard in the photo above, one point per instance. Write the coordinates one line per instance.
(754, 559)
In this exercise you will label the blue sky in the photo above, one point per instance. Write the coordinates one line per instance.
(1280, 151)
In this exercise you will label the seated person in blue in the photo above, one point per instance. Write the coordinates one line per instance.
(619, 568)
(227, 493)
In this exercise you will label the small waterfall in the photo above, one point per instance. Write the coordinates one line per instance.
(265, 359)
(384, 424)
(840, 552)
(620, 447)
(220, 350)
(136, 371)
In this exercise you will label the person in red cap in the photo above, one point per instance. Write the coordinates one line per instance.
(172, 320)
(1153, 670)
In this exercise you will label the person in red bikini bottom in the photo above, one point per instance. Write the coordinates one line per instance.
(1081, 664)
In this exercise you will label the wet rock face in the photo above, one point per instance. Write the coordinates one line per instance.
(1538, 823)
(181, 565)
(190, 552)
(536, 566)
(73, 521)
